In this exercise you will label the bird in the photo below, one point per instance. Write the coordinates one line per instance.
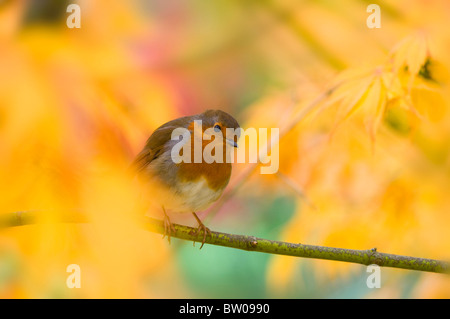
(185, 186)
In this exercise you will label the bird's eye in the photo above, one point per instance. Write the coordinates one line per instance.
(217, 128)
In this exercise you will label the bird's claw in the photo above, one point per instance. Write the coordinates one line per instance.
(206, 231)
(168, 228)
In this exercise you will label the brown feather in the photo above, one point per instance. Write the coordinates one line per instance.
(156, 142)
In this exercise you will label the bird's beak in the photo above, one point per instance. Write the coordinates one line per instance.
(231, 142)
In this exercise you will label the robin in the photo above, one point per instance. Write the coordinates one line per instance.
(187, 185)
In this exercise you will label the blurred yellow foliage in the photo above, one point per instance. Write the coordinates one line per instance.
(388, 191)
(66, 140)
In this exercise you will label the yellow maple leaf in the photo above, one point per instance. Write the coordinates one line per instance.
(363, 92)
(411, 53)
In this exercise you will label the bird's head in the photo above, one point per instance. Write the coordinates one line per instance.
(220, 123)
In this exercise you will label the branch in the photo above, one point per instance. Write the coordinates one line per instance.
(251, 243)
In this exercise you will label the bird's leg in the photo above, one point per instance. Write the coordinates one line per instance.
(201, 227)
(168, 226)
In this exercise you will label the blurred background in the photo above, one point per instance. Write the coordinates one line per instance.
(368, 167)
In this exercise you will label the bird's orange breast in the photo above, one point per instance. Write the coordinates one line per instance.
(216, 174)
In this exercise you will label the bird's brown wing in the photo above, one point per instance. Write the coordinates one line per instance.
(155, 143)
(152, 149)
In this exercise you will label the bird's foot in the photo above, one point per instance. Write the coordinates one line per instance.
(206, 231)
(201, 228)
(168, 227)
